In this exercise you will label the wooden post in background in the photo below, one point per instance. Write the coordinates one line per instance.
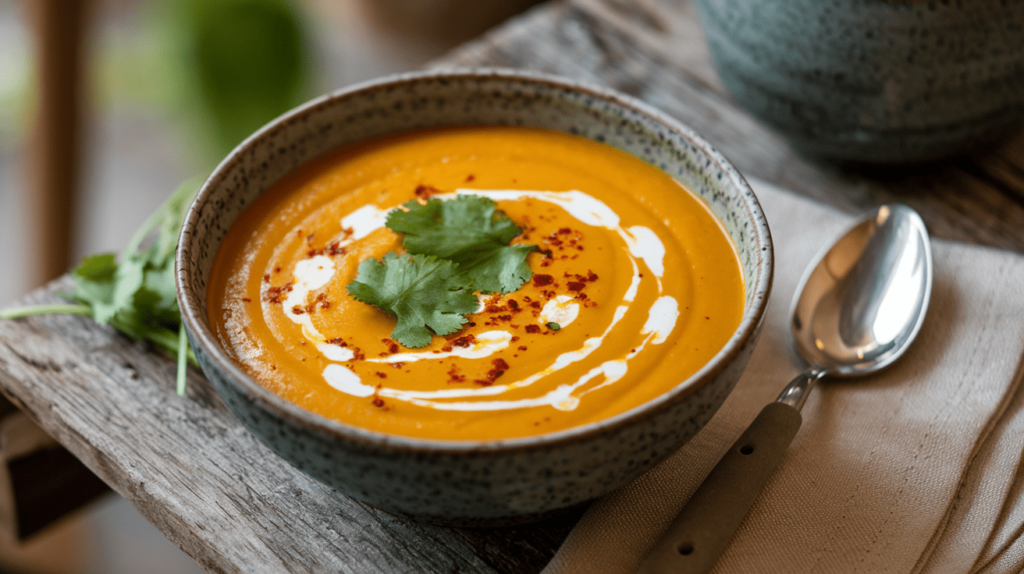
(54, 164)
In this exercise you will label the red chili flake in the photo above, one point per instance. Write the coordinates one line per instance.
(514, 337)
(447, 348)
(337, 341)
(576, 286)
(470, 177)
(277, 269)
(542, 280)
(273, 367)
(578, 248)
(535, 304)
(564, 231)
(533, 328)
(513, 305)
(522, 347)
(377, 401)
(392, 346)
(298, 310)
(358, 354)
(591, 276)
(381, 374)
(708, 318)
(464, 341)
(266, 278)
(426, 191)
(246, 300)
(325, 305)
(454, 376)
(582, 296)
(504, 317)
(500, 366)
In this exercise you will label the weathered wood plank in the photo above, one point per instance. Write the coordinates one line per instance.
(206, 482)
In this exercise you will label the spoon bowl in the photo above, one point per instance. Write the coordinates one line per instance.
(863, 301)
(857, 309)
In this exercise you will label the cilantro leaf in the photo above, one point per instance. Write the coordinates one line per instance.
(137, 295)
(420, 291)
(467, 230)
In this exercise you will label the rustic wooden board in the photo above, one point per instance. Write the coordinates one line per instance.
(234, 506)
(206, 482)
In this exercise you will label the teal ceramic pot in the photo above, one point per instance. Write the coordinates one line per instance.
(880, 81)
(473, 482)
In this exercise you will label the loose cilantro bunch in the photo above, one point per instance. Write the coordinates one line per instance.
(135, 296)
(454, 249)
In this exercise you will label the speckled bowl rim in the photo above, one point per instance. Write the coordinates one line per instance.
(202, 335)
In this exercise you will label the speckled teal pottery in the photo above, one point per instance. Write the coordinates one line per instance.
(473, 483)
(881, 81)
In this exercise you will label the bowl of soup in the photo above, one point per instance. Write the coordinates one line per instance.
(474, 297)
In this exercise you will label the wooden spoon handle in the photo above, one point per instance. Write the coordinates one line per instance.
(706, 524)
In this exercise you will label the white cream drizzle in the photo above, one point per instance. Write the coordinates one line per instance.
(364, 221)
(562, 310)
(486, 344)
(640, 242)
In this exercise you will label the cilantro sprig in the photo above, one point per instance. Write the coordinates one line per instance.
(469, 231)
(454, 249)
(135, 296)
(422, 291)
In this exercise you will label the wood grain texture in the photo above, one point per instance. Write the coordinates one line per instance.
(234, 506)
(206, 482)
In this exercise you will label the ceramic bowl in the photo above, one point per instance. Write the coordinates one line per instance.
(473, 482)
(878, 81)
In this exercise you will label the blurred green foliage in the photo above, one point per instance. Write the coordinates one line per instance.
(247, 58)
(215, 70)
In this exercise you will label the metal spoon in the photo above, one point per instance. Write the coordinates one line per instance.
(856, 311)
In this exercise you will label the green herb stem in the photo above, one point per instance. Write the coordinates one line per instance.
(54, 309)
(182, 359)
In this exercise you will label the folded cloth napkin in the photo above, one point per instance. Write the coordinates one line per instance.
(916, 469)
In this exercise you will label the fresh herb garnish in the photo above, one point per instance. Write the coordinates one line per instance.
(455, 248)
(553, 326)
(137, 296)
(467, 230)
(422, 291)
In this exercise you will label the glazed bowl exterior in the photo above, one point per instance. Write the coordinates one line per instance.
(472, 482)
(876, 81)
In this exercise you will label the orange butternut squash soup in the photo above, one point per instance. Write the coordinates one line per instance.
(475, 283)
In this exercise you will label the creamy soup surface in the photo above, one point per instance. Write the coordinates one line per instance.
(635, 287)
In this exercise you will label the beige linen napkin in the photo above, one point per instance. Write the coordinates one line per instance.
(917, 469)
